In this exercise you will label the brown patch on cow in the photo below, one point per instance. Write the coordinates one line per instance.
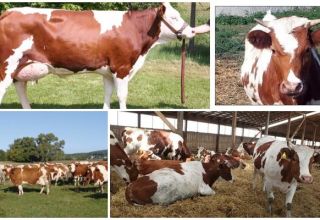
(289, 161)
(128, 132)
(261, 151)
(148, 166)
(26, 174)
(141, 191)
(128, 140)
(119, 158)
(245, 80)
(139, 138)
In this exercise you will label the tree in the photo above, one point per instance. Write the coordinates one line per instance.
(49, 147)
(23, 150)
(2, 155)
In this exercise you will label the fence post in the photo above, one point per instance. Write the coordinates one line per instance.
(192, 24)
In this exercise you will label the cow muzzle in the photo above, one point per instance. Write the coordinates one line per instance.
(291, 88)
(306, 179)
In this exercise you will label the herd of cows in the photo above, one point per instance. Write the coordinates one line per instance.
(83, 172)
(158, 167)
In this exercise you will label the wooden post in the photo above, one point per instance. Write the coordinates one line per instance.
(267, 124)
(139, 120)
(180, 122)
(185, 133)
(218, 137)
(165, 120)
(234, 126)
(314, 135)
(289, 126)
(303, 132)
(192, 24)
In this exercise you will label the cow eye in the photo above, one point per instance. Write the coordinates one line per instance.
(273, 51)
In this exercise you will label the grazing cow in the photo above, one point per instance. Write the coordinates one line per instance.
(112, 43)
(79, 171)
(281, 65)
(2, 175)
(179, 180)
(98, 174)
(282, 165)
(27, 174)
(120, 162)
(246, 150)
(164, 144)
(203, 152)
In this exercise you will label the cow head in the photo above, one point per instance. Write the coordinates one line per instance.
(297, 160)
(171, 22)
(225, 164)
(288, 41)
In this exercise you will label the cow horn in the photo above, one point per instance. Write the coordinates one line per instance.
(263, 23)
(314, 22)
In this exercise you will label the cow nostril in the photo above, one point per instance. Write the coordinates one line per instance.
(299, 87)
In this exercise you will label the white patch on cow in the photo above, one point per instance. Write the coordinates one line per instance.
(28, 10)
(121, 171)
(304, 153)
(108, 19)
(72, 167)
(172, 186)
(113, 139)
(137, 65)
(104, 172)
(292, 78)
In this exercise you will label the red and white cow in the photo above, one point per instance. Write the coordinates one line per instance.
(202, 152)
(28, 174)
(163, 144)
(98, 174)
(113, 44)
(176, 180)
(282, 165)
(120, 162)
(281, 65)
(79, 171)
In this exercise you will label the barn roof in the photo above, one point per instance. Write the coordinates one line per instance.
(257, 119)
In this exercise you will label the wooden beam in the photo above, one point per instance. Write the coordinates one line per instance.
(314, 135)
(234, 126)
(266, 132)
(217, 138)
(303, 132)
(180, 122)
(165, 120)
(139, 120)
(288, 127)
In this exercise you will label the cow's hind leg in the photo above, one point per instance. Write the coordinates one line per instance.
(42, 188)
(108, 89)
(122, 90)
(4, 86)
(21, 88)
(20, 190)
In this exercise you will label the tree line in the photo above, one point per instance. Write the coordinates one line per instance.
(81, 5)
(44, 147)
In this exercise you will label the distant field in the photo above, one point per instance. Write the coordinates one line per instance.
(156, 85)
(63, 201)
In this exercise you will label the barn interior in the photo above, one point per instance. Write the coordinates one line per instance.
(218, 131)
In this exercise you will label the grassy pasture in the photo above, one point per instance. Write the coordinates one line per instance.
(62, 201)
(156, 85)
(231, 200)
(230, 35)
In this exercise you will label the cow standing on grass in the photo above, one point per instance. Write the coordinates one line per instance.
(98, 174)
(281, 63)
(112, 43)
(28, 174)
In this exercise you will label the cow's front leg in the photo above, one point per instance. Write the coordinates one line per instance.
(122, 90)
(21, 88)
(289, 198)
(108, 89)
(20, 190)
(4, 86)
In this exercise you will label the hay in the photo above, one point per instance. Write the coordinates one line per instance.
(231, 200)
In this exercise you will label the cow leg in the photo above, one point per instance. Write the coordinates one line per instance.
(21, 88)
(108, 89)
(289, 198)
(42, 188)
(48, 189)
(270, 199)
(4, 86)
(122, 90)
(206, 190)
(20, 190)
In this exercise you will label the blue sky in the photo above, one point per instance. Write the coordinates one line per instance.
(82, 131)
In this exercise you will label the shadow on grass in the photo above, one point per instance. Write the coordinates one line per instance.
(83, 189)
(97, 196)
(14, 189)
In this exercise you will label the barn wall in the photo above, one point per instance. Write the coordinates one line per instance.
(196, 139)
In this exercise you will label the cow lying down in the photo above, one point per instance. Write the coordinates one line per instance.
(170, 181)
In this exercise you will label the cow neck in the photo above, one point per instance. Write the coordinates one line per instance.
(211, 172)
(289, 168)
(148, 24)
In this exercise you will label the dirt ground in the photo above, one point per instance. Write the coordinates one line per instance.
(229, 90)
(231, 200)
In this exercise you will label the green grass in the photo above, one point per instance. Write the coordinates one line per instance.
(62, 201)
(156, 85)
(231, 30)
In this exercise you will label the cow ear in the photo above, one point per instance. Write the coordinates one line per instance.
(315, 36)
(260, 39)
(162, 9)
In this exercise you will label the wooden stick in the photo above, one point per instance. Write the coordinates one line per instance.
(183, 64)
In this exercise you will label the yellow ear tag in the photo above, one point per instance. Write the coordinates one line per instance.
(284, 156)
